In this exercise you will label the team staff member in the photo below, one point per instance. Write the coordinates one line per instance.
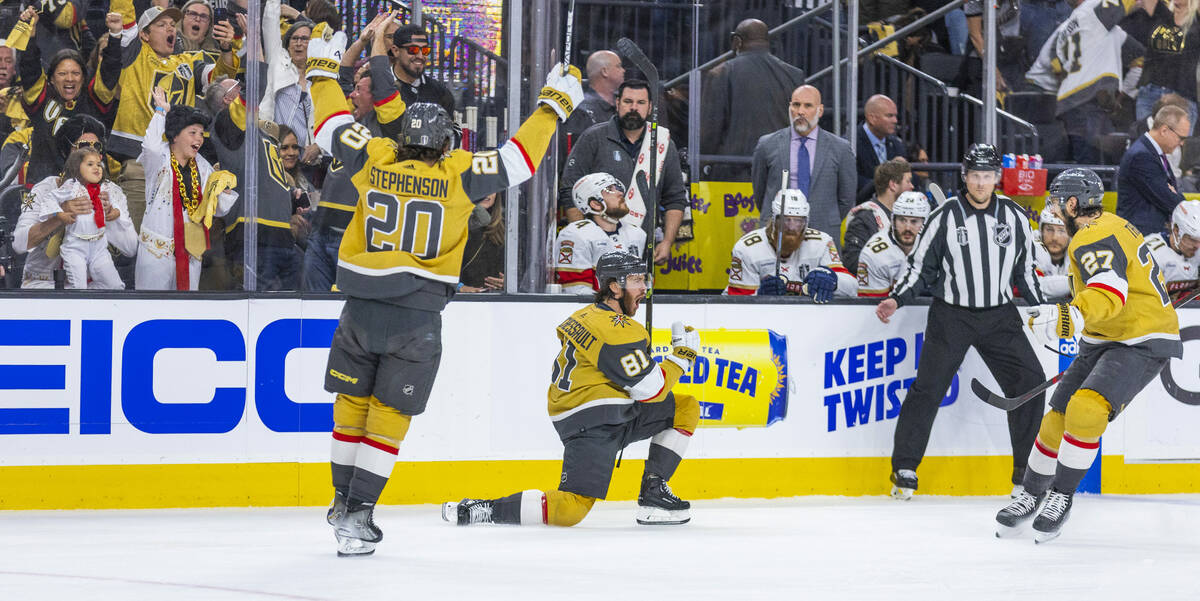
(1129, 332)
(971, 252)
(399, 264)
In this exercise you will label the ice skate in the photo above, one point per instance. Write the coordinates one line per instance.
(1011, 520)
(337, 509)
(904, 484)
(356, 531)
(468, 511)
(657, 505)
(1049, 521)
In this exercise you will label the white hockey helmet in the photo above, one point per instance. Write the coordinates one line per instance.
(789, 203)
(1186, 217)
(590, 187)
(1048, 217)
(911, 204)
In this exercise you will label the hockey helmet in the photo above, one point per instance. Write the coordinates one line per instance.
(615, 266)
(911, 204)
(1083, 184)
(789, 203)
(590, 187)
(1186, 217)
(426, 125)
(1049, 217)
(981, 157)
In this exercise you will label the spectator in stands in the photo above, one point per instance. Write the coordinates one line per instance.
(410, 56)
(483, 256)
(892, 178)
(60, 92)
(744, 99)
(286, 99)
(616, 147)
(878, 10)
(877, 143)
(147, 57)
(195, 30)
(819, 163)
(7, 65)
(1039, 19)
(1171, 37)
(1081, 63)
(916, 154)
(605, 73)
(1141, 126)
(1011, 62)
(1145, 197)
(1189, 164)
(305, 196)
(59, 26)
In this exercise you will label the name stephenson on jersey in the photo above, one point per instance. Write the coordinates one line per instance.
(1120, 288)
(580, 245)
(754, 258)
(881, 263)
(1179, 272)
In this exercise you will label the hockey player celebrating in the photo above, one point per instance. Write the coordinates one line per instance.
(601, 199)
(884, 258)
(399, 263)
(1129, 332)
(606, 391)
(1050, 255)
(801, 261)
(1176, 255)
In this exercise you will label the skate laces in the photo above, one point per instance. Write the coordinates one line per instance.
(1023, 504)
(479, 511)
(1056, 505)
(665, 490)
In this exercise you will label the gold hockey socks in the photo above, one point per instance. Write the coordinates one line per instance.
(566, 508)
(1086, 420)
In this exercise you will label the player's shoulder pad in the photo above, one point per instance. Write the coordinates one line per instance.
(458, 160)
(382, 149)
(611, 327)
(811, 234)
(752, 237)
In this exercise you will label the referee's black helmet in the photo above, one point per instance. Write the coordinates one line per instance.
(981, 157)
(1083, 184)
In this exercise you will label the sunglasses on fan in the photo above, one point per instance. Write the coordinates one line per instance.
(415, 50)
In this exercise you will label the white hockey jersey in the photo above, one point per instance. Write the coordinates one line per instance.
(1083, 56)
(581, 243)
(1054, 279)
(754, 259)
(881, 263)
(1180, 273)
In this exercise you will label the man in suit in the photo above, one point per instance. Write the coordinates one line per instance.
(877, 142)
(1146, 188)
(819, 164)
(753, 78)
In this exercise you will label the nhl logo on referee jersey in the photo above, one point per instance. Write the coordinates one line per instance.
(1003, 234)
(961, 234)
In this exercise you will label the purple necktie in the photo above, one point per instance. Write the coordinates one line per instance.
(1166, 165)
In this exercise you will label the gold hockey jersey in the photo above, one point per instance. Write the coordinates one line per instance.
(604, 367)
(405, 242)
(1120, 289)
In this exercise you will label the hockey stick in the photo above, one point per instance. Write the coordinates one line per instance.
(570, 37)
(1010, 403)
(936, 191)
(778, 236)
(630, 50)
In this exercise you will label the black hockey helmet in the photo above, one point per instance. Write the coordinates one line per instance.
(426, 125)
(70, 131)
(1083, 184)
(981, 157)
(615, 266)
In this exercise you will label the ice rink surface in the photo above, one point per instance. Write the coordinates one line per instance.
(1114, 547)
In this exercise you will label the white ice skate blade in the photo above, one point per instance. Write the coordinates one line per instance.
(654, 516)
(902, 494)
(1045, 537)
(354, 547)
(1003, 531)
(450, 512)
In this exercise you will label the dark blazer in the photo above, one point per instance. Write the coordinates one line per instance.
(867, 161)
(831, 191)
(1146, 192)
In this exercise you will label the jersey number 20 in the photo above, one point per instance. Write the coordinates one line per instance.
(413, 227)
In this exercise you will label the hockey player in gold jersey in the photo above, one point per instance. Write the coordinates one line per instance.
(399, 265)
(1128, 330)
(606, 391)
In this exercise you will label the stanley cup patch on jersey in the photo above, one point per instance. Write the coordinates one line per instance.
(1003, 234)
(960, 232)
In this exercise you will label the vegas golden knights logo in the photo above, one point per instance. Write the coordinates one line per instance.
(275, 164)
(177, 88)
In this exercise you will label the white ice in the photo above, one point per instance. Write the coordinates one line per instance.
(1114, 547)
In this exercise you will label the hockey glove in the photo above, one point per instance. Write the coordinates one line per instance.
(325, 49)
(562, 92)
(772, 285)
(1052, 322)
(684, 342)
(821, 283)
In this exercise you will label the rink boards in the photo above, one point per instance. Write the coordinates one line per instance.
(108, 402)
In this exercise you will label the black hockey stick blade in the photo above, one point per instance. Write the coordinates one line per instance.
(1008, 404)
(627, 48)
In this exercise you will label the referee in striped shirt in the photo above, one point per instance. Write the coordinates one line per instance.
(972, 251)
